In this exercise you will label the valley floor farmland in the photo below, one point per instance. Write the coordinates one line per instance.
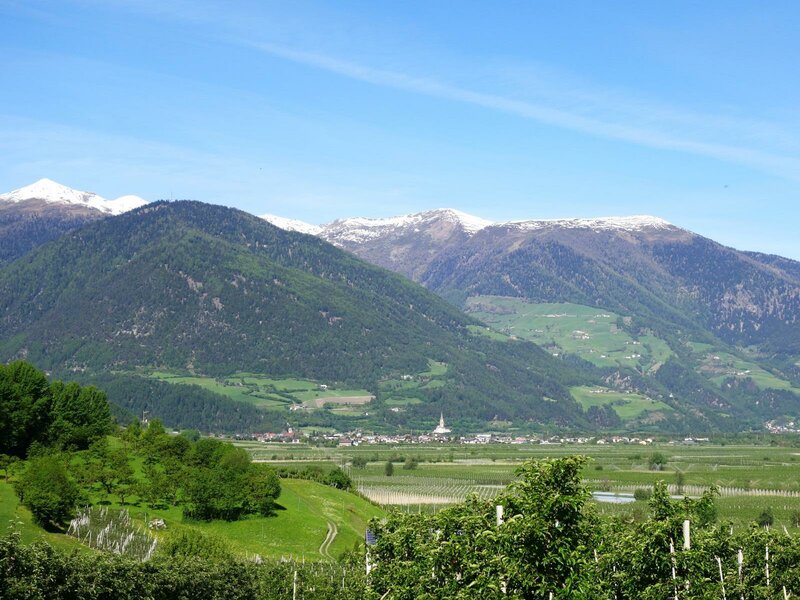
(750, 478)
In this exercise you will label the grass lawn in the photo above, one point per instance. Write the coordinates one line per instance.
(719, 366)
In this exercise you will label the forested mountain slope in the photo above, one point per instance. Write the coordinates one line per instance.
(207, 289)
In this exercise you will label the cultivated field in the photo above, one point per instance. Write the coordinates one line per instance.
(750, 478)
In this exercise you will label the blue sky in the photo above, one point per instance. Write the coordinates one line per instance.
(316, 110)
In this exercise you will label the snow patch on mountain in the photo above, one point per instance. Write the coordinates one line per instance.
(634, 223)
(292, 224)
(53, 192)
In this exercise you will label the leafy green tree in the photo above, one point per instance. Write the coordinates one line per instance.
(264, 488)
(766, 518)
(190, 543)
(680, 480)
(410, 463)
(359, 462)
(24, 407)
(6, 463)
(221, 483)
(80, 415)
(339, 479)
(158, 488)
(191, 434)
(388, 468)
(132, 433)
(47, 490)
(542, 547)
(155, 431)
(102, 466)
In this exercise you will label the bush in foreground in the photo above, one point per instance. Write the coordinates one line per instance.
(38, 572)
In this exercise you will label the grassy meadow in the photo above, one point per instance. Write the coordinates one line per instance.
(268, 392)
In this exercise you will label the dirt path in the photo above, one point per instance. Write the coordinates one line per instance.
(325, 548)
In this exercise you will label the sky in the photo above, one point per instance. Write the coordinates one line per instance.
(689, 111)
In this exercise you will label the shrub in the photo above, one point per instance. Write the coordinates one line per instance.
(657, 461)
(766, 518)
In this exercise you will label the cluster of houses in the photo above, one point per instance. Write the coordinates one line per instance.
(441, 433)
(782, 426)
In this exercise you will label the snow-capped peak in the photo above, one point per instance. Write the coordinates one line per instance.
(633, 223)
(292, 224)
(53, 192)
(360, 229)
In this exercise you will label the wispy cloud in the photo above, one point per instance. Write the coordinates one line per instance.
(554, 101)
(780, 164)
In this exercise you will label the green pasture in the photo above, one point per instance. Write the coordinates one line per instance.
(627, 405)
(488, 332)
(297, 529)
(311, 395)
(301, 525)
(719, 366)
(14, 516)
(261, 390)
(590, 332)
(435, 369)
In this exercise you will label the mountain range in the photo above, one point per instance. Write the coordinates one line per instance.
(641, 266)
(206, 290)
(618, 323)
(712, 323)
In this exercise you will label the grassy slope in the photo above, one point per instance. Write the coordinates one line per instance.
(12, 512)
(586, 331)
(260, 389)
(297, 529)
(627, 406)
(301, 528)
(592, 334)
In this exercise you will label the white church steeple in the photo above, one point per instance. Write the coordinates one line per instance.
(440, 428)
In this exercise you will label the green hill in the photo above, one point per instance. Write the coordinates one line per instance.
(297, 530)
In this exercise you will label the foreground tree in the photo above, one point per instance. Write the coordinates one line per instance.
(110, 468)
(24, 407)
(543, 546)
(80, 416)
(47, 490)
